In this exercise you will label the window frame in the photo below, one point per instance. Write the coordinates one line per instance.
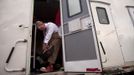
(68, 11)
(106, 14)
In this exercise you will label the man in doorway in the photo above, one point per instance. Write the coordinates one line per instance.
(51, 39)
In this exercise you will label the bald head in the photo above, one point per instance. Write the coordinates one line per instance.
(40, 25)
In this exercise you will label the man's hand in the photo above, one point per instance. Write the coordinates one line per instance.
(45, 47)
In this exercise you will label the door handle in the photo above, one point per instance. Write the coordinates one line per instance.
(9, 57)
(102, 48)
(104, 52)
(12, 50)
(23, 26)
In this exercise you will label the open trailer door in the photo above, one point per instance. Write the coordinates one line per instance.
(80, 48)
(15, 25)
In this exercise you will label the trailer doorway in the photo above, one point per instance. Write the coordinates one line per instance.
(46, 11)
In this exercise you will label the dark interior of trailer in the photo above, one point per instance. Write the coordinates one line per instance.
(46, 11)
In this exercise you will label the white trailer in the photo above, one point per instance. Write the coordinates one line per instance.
(97, 35)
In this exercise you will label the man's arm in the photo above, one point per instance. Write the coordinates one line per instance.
(47, 38)
(48, 35)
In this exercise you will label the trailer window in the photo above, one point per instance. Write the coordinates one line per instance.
(74, 7)
(131, 13)
(102, 15)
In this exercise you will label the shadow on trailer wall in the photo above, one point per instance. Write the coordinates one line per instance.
(46, 11)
